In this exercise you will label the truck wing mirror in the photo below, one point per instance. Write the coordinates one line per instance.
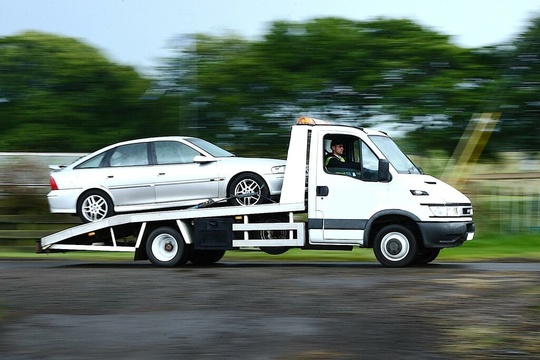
(384, 171)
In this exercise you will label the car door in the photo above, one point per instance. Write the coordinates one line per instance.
(178, 178)
(126, 173)
(345, 200)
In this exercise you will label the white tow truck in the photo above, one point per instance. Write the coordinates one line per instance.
(383, 202)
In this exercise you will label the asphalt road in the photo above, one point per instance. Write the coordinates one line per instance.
(51, 309)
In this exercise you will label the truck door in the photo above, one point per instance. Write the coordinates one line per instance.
(346, 197)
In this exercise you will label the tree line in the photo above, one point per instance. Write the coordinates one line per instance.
(58, 94)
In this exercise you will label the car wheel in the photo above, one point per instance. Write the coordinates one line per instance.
(248, 189)
(395, 246)
(94, 205)
(165, 247)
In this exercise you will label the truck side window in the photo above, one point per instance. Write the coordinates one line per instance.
(342, 155)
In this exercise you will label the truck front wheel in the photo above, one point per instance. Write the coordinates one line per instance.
(395, 246)
(165, 247)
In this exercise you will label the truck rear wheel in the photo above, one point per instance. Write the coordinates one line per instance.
(275, 235)
(395, 246)
(165, 247)
(205, 257)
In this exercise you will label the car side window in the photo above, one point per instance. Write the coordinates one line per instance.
(174, 152)
(129, 155)
(92, 163)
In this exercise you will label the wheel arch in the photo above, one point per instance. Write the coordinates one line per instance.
(387, 217)
(101, 189)
(242, 173)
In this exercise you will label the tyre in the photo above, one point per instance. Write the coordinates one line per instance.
(248, 189)
(165, 247)
(206, 257)
(274, 235)
(426, 256)
(94, 205)
(395, 246)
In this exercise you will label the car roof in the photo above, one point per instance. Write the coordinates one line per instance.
(149, 139)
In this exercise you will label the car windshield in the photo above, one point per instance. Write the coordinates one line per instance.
(210, 148)
(394, 155)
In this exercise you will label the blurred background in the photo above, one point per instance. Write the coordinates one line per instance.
(467, 113)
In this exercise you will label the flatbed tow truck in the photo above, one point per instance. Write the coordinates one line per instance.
(383, 202)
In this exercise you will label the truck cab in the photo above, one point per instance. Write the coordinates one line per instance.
(382, 200)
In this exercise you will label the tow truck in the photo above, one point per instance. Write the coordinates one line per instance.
(384, 202)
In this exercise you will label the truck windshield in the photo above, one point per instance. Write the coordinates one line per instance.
(394, 155)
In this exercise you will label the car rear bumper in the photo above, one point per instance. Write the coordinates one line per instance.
(63, 201)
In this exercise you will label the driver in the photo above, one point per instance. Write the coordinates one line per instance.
(336, 159)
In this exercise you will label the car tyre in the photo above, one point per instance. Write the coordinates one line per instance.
(94, 205)
(248, 189)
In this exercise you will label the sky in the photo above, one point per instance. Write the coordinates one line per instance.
(137, 32)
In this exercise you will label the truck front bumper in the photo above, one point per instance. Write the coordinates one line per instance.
(446, 234)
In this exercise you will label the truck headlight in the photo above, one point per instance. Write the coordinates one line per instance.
(444, 211)
(280, 169)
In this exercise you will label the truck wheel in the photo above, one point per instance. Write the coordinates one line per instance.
(426, 256)
(206, 257)
(395, 246)
(165, 247)
(94, 205)
(248, 189)
(275, 235)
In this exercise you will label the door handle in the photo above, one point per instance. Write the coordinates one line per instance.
(322, 191)
(110, 176)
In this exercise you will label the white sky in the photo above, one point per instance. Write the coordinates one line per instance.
(136, 32)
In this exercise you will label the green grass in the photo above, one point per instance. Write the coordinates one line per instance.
(497, 247)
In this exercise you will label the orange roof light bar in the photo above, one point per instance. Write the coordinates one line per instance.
(304, 120)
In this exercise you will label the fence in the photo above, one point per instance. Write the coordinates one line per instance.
(507, 203)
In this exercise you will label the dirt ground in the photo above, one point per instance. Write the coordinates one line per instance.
(54, 309)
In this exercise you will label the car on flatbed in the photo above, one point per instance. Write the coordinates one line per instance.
(159, 173)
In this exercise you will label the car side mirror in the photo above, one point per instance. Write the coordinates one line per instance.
(202, 159)
(384, 171)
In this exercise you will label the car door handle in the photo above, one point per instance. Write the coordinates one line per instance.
(110, 176)
(161, 174)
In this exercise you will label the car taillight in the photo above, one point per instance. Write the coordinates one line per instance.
(53, 184)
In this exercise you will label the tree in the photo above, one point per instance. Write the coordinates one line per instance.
(355, 72)
(58, 94)
(517, 93)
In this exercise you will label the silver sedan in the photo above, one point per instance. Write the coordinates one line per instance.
(162, 172)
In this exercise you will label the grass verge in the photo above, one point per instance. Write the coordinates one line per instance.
(497, 247)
